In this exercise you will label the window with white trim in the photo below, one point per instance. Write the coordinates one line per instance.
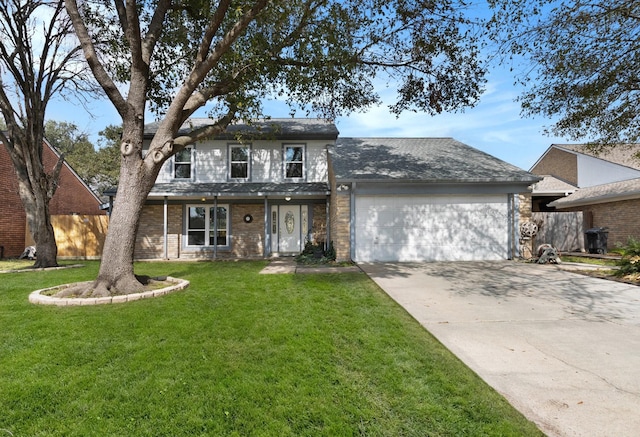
(239, 162)
(183, 163)
(207, 225)
(294, 162)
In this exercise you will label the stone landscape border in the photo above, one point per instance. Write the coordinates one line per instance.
(37, 297)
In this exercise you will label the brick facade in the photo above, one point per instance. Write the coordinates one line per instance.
(525, 215)
(621, 219)
(340, 219)
(247, 240)
(319, 224)
(558, 163)
(72, 196)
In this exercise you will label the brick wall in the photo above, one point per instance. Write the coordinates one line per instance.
(150, 238)
(340, 213)
(524, 215)
(247, 238)
(319, 225)
(561, 164)
(72, 196)
(620, 217)
(12, 216)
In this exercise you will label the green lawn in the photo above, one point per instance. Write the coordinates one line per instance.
(237, 353)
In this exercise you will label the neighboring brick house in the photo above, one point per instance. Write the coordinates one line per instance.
(73, 196)
(604, 186)
(289, 181)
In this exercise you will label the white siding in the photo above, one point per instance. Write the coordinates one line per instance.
(593, 171)
(212, 165)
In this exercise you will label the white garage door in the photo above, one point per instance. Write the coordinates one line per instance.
(431, 228)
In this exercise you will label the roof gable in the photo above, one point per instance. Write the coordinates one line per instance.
(624, 154)
(419, 160)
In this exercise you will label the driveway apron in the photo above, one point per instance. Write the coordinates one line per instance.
(563, 348)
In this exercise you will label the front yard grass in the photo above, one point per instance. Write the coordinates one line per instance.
(236, 354)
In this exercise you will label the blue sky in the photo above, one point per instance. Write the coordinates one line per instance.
(493, 126)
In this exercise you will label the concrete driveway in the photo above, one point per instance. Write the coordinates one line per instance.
(563, 348)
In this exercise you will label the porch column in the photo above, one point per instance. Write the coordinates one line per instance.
(215, 226)
(328, 222)
(166, 228)
(267, 235)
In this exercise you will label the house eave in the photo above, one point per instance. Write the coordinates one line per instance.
(564, 204)
(524, 182)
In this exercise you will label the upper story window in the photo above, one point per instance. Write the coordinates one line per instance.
(239, 162)
(294, 162)
(183, 163)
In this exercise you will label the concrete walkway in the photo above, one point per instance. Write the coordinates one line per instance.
(289, 265)
(563, 348)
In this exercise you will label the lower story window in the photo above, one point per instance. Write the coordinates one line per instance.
(207, 225)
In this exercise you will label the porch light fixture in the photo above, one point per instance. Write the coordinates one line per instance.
(203, 199)
(288, 198)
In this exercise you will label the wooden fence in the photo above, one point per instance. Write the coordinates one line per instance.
(563, 230)
(77, 236)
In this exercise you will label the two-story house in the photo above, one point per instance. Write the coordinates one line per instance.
(263, 194)
(288, 181)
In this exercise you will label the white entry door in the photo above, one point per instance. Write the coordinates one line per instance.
(289, 229)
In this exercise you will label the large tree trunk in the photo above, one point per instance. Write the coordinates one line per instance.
(44, 237)
(36, 206)
(36, 188)
(116, 275)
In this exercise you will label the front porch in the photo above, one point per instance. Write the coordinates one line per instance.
(232, 226)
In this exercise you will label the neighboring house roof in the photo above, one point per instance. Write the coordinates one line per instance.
(552, 186)
(275, 128)
(613, 192)
(623, 154)
(240, 189)
(438, 160)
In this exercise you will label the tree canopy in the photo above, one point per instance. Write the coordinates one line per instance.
(97, 166)
(582, 63)
(321, 56)
(38, 60)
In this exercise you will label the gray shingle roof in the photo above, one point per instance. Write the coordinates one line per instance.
(615, 191)
(244, 189)
(622, 154)
(551, 185)
(275, 128)
(420, 160)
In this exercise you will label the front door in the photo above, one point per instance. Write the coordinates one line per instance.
(289, 229)
(289, 226)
